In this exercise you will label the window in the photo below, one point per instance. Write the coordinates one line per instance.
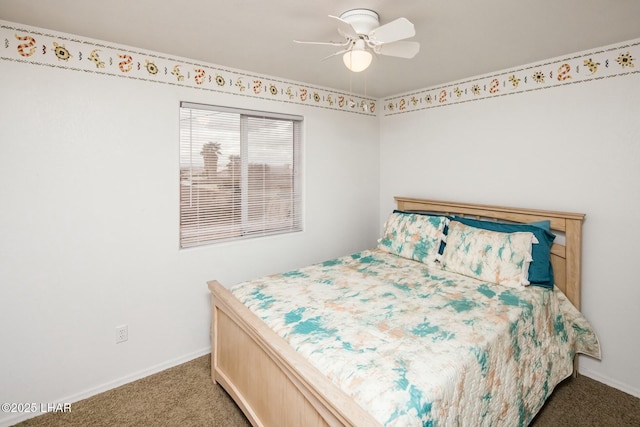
(239, 174)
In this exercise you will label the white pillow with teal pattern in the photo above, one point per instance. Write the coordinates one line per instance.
(414, 236)
(486, 255)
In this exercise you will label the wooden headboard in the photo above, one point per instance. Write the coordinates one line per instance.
(566, 259)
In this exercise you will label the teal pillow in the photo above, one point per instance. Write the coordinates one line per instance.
(545, 225)
(540, 269)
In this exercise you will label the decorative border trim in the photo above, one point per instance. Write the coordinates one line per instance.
(29, 45)
(612, 61)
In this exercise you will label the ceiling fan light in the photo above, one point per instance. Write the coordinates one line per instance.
(357, 60)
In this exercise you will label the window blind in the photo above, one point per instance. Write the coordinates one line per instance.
(240, 174)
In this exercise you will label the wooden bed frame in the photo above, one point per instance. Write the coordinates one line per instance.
(275, 386)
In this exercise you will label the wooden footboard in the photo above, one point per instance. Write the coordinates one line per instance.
(269, 381)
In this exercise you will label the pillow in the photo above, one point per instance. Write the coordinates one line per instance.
(486, 255)
(413, 236)
(540, 270)
(545, 225)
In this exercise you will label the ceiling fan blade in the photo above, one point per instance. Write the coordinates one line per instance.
(344, 28)
(335, 54)
(399, 49)
(326, 43)
(398, 29)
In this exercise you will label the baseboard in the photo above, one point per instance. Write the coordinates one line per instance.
(11, 420)
(610, 382)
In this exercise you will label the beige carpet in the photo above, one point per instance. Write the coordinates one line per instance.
(185, 396)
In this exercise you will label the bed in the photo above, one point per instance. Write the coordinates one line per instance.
(427, 335)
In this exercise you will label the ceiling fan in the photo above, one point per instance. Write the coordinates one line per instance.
(363, 33)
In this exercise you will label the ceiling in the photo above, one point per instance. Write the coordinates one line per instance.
(459, 38)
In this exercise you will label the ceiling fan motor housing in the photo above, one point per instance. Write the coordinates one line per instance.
(362, 20)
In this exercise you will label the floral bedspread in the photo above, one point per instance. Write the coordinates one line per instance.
(418, 346)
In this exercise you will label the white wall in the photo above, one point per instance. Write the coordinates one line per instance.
(570, 148)
(89, 227)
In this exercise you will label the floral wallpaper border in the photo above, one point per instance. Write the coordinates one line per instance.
(34, 46)
(606, 62)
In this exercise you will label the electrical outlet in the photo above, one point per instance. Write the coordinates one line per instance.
(122, 333)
